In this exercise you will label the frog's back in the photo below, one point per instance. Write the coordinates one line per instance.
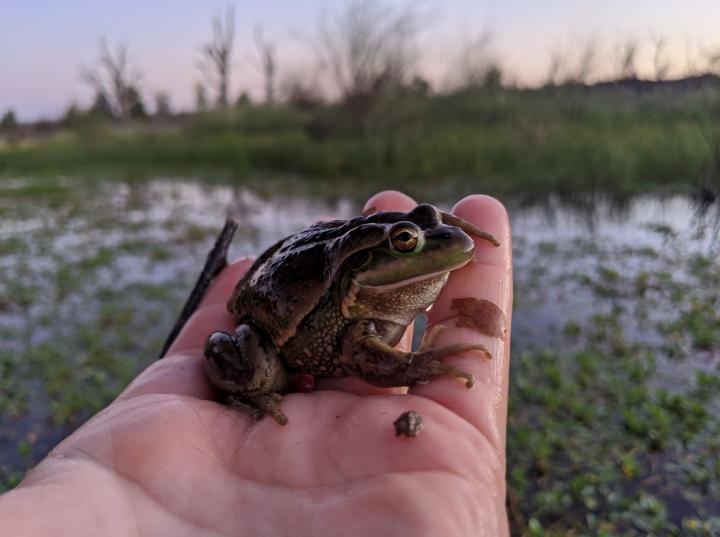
(289, 280)
(281, 290)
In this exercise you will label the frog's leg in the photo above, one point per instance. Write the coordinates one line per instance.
(249, 373)
(370, 358)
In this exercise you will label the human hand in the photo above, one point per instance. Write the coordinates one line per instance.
(166, 459)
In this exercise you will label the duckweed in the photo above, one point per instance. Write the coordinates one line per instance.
(614, 418)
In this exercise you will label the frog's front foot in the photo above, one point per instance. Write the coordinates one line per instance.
(426, 364)
(378, 363)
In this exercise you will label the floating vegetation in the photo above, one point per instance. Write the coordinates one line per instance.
(614, 424)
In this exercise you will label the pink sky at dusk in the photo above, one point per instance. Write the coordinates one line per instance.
(44, 43)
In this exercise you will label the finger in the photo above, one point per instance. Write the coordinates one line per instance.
(389, 200)
(489, 277)
(180, 372)
(212, 314)
(224, 284)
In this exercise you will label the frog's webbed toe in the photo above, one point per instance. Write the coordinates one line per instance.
(270, 404)
(426, 364)
(246, 405)
(259, 405)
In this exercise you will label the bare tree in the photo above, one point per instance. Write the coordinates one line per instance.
(163, 107)
(660, 62)
(691, 67)
(8, 120)
(477, 66)
(268, 64)
(369, 48)
(711, 58)
(628, 60)
(114, 79)
(300, 90)
(564, 69)
(557, 67)
(216, 55)
(586, 64)
(201, 101)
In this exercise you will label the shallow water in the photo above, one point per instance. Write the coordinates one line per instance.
(62, 256)
(176, 221)
(83, 276)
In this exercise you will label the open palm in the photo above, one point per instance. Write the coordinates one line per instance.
(166, 459)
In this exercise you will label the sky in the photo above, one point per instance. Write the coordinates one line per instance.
(44, 44)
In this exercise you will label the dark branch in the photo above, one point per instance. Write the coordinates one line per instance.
(216, 261)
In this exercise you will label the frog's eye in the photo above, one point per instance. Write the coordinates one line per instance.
(404, 239)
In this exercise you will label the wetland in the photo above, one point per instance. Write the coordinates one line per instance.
(614, 426)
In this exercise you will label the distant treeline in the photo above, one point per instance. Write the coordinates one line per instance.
(366, 112)
(363, 50)
(625, 138)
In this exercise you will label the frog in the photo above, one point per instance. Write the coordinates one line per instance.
(334, 300)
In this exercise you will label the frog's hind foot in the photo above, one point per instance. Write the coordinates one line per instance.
(245, 405)
(269, 403)
(249, 373)
(259, 405)
(222, 353)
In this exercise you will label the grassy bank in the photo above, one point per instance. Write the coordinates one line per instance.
(499, 141)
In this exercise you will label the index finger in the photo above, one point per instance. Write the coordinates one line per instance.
(488, 277)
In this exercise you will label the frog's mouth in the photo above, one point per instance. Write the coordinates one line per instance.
(410, 281)
(427, 294)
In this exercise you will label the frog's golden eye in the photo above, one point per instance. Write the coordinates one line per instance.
(404, 239)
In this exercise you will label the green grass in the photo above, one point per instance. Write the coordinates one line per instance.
(509, 141)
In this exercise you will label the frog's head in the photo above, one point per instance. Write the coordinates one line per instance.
(404, 274)
(418, 246)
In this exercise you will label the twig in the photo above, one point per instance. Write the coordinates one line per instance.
(216, 261)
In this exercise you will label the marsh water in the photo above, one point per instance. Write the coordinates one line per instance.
(92, 276)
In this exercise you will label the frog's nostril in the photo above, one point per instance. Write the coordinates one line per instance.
(439, 236)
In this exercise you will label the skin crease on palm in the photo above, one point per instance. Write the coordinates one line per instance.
(166, 459)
